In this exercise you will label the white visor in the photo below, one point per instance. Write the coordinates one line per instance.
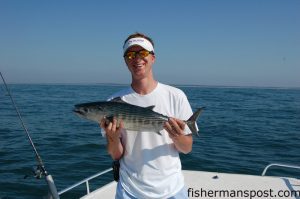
(139, 41)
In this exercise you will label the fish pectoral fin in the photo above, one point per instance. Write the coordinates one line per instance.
(150, 107)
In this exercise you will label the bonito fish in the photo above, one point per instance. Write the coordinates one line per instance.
(135, 118)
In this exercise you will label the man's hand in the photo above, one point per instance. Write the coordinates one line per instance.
(174, 127)
(113, 131)
(113, 135)
(182, 142)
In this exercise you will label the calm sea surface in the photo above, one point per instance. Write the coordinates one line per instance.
(241, 131)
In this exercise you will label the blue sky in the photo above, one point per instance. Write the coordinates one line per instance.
(202, 42)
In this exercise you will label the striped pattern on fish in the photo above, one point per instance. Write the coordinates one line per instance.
(135, 118)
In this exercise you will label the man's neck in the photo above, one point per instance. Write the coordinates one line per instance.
(144, 86)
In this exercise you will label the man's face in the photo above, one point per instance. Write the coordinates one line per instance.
(140, 67)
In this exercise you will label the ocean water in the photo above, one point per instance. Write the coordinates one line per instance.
(241, 131)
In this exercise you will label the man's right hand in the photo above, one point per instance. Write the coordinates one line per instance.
(112, 129)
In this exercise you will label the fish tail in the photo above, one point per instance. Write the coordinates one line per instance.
(191, 122)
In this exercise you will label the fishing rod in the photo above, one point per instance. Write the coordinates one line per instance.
(40, 170)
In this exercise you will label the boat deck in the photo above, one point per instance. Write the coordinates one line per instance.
(208, 185)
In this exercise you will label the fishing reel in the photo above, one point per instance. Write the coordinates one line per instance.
(37, 172)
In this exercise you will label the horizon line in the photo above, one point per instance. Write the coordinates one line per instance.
(172, 84)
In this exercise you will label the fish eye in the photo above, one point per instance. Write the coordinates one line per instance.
(85, 109)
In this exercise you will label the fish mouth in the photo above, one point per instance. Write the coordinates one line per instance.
(78, 112)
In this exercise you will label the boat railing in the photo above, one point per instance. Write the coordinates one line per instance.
(279, 165)
(86, 181)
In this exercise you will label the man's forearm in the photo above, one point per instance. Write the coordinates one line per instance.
(115, 148)
(183, 143)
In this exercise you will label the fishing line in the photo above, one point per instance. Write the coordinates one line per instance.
(22, 122)
(40, 171)
(3, 90)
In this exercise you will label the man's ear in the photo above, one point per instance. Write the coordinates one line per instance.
(153, 58)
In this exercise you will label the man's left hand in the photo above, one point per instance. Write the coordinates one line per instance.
(174, 127)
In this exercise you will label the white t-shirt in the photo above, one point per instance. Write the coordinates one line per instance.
(150, 166)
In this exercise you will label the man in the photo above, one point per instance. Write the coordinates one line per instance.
(150, 166)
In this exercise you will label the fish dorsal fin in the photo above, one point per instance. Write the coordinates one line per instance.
(117, 99)
(150, 107)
